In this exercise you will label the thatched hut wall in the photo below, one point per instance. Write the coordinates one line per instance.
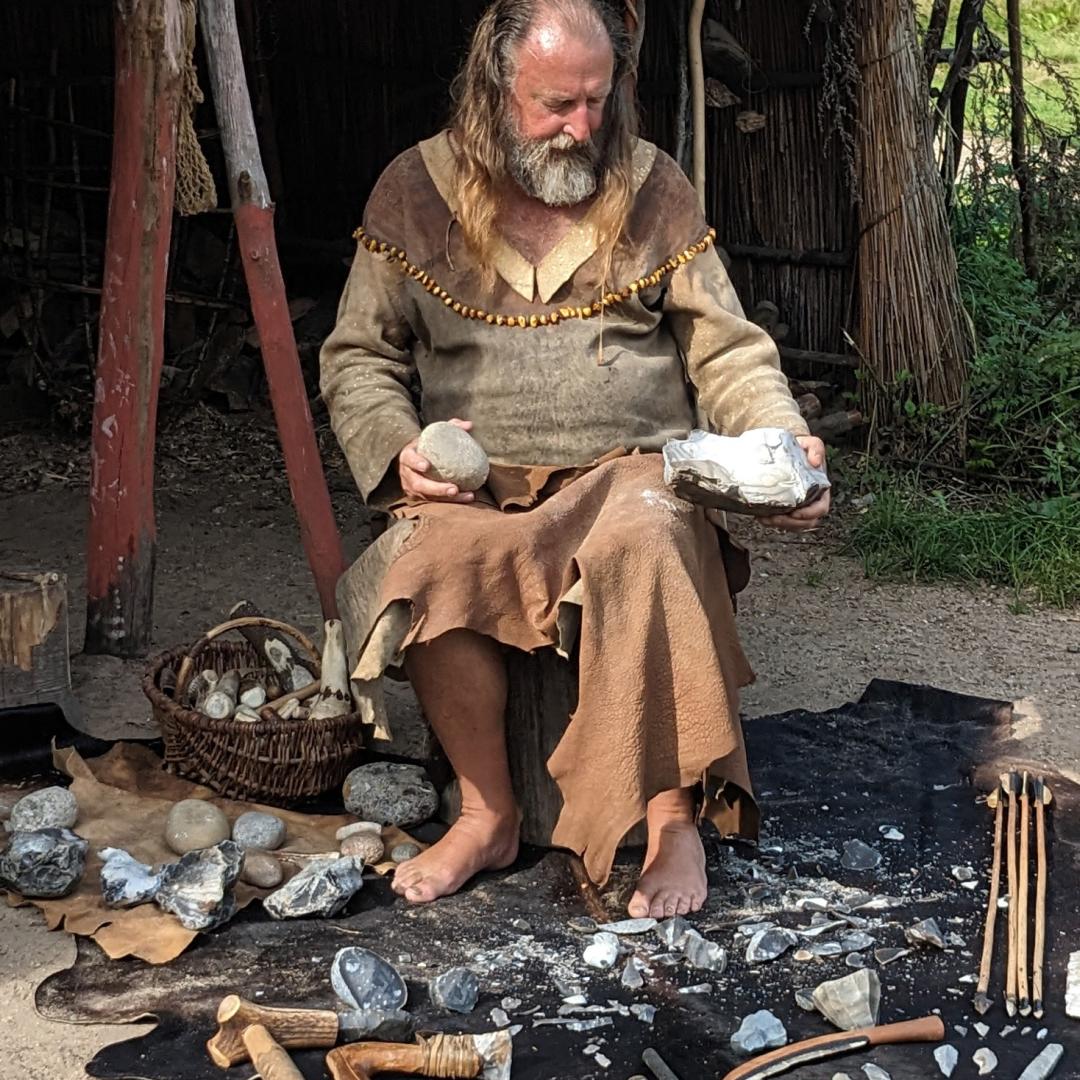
(781, 194)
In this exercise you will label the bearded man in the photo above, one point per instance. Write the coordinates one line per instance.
(542, 276)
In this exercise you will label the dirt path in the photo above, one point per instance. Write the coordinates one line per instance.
(815, 629)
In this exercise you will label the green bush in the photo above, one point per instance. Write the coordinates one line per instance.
(1024, 421)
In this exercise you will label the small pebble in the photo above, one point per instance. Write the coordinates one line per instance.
(404, 852)
(261, 870)
(364, 845)
(358, 827)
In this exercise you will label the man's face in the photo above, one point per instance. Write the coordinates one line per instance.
(558, 99)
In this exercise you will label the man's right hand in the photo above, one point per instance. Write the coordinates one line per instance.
(413, 467)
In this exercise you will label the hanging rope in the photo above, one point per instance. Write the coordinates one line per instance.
(195, 191)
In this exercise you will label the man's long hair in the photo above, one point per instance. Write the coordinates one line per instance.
(482, 104)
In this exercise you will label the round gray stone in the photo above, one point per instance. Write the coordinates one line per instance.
(194, 824)
(259, 831)
(390, 793)
(455, 456)
(49, 808)
(404, 852)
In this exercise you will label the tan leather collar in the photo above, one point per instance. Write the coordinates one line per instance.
(569, 254)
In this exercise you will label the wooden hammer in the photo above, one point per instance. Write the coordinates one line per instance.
(244, 1027)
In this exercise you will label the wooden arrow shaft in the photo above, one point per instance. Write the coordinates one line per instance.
(1010, 975)
(1022, 906)
(1040, 908)
(992, 903)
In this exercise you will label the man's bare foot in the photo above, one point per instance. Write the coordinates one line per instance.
(672, 879)
(478, 840)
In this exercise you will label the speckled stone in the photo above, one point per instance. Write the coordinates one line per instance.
(194, 824)
(455, 456)
(391, 794)
(258, 831)
(364, 845)
(261, 870)
(49, 808)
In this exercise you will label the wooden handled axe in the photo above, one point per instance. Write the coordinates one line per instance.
(928, 1029)
(464, 1057)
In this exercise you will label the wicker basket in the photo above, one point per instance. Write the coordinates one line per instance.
(274, 761)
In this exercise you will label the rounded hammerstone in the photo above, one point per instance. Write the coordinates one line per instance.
(455, 456)
(194, 824)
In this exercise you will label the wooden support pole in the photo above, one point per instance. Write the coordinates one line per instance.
(935, 34)
(254, 214)
(697, 94)
(1020, 165)
(121, 534)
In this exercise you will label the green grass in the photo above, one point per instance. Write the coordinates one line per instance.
(1031, 548)
(1051, 30)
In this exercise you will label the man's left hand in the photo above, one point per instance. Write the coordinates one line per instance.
(806, 517)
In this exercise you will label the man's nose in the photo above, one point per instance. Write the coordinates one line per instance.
(577, 124)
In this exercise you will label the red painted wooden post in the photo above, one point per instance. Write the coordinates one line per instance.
(121, 534)
(254, 213)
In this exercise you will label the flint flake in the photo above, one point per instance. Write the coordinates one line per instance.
(43, 864)
(125, 881)
(322, 888)
(198, 889)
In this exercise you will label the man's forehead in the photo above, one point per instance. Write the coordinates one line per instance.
(557, 53)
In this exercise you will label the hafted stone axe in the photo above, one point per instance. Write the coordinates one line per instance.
(926, 1029)
(456, 1057)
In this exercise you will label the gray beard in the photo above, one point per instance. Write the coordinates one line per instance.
(558, 171)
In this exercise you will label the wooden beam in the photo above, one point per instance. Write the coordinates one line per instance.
(810, 356)
(121, 532)
(254, 213)
(760, 253)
